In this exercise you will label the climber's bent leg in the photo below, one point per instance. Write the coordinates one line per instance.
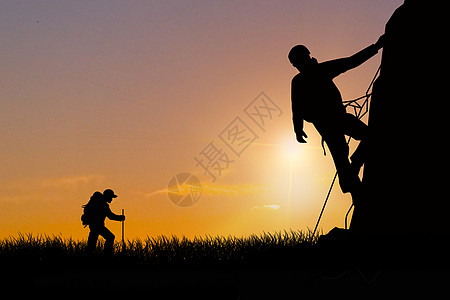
(356, 129)
(338, 147)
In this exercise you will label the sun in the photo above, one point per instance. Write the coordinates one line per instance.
(291, 149)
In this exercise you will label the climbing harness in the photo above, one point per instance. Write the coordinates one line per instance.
(359, 110)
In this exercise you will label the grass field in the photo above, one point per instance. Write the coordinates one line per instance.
(165, 251)
(268, 266)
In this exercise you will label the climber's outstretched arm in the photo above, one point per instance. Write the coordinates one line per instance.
(341, 65)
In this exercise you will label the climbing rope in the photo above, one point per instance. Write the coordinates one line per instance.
(359, 110)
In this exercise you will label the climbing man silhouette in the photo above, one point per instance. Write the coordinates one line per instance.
(95, 212)
(316, 99)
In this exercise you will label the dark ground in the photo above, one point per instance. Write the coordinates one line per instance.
(239, 284)
(330, 268)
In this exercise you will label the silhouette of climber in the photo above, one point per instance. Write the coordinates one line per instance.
(316, 99)
(95, 212)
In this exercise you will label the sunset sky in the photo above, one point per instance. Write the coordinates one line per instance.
(127, 94)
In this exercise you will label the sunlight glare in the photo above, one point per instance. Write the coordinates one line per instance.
(291, 149)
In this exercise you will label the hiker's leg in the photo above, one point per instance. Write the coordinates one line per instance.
(357, 129)
(358, 157)
(92, 240)
(109, 240)
(339, 151)
(354, 127)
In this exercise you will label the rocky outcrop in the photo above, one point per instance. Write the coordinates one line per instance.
(405, 175)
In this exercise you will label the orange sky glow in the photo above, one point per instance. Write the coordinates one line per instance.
(128, 94)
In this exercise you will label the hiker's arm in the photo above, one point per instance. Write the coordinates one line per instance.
(297, 117)
(114, 217)
(300, 134)
(341, 65)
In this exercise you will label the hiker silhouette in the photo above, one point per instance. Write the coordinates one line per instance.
(95, 212)
(316, 99)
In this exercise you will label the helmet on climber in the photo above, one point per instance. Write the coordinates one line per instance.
(299, 56)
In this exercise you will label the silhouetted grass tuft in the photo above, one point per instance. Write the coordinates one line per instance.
(212, 250)
(165, 251)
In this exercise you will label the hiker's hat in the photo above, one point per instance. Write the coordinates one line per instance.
(109, 193)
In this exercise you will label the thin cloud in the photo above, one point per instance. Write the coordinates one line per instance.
(232, 189)
(267, 206)
(213, 189)
(71, 181)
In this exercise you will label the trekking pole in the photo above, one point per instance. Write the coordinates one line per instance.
(123, 230)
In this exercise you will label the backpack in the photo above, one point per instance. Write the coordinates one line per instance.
(85, 219)
(94, 201)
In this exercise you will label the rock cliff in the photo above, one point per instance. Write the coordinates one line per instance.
(405, 175)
